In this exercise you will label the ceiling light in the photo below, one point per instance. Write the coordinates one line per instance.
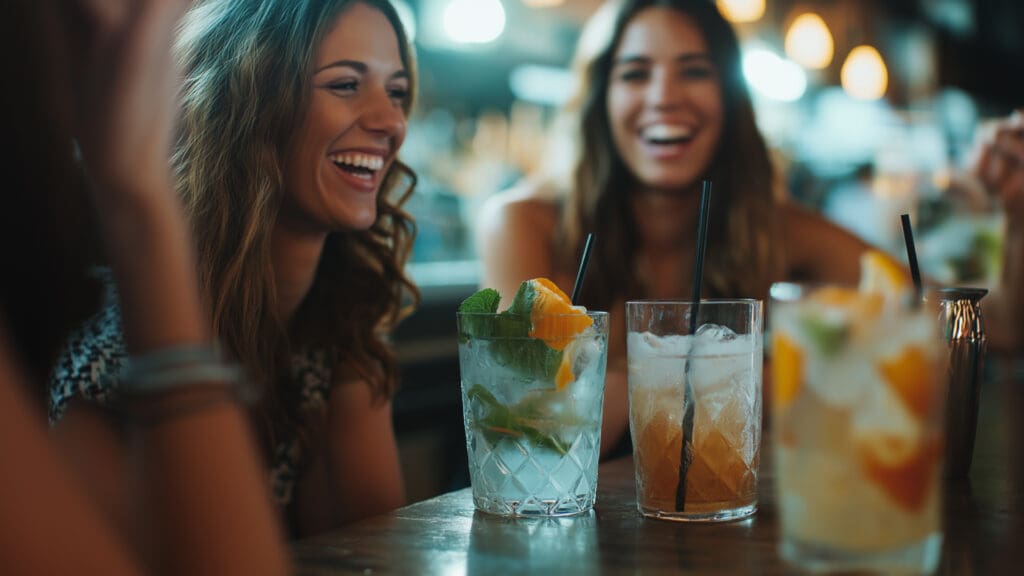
(864, 75)
(741, 10)
(474, 21)
(809, 42)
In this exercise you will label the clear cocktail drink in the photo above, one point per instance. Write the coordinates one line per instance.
(857, 408)
(532, 411)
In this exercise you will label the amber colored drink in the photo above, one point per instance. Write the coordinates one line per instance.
(724, 370)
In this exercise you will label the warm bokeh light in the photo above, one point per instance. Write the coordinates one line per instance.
(864, 75)
(543, 3)
(809, 42)
(474, 21)
(741, 10)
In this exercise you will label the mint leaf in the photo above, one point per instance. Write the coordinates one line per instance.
(509, 333)
(484, 301)
(829, 338)
(522, 302)
(529, 357)
(521, 421)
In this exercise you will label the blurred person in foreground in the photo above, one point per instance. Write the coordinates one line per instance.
(292, 116)
(661, 105)
(90, 114)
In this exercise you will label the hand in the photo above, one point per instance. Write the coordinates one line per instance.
(125, 87)
(1000, 163)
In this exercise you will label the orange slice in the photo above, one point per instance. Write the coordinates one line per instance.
(903, 470)
(911, 375)
(881, 274)
(565, 375)
(861, 305)
(555, 320)
(787, 369)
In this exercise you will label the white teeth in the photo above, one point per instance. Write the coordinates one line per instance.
(368, 161)
(666, 132)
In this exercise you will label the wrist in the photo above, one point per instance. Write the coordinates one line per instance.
(179, 380)
(175, 367)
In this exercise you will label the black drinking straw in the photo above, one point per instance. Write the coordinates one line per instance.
(686, 446)
(915, 271)
(582, 271)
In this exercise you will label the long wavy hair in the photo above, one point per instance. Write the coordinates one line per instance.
(247, 68)
(740, 238)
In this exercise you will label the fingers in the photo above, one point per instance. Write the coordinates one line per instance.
(105, 16)
(127, 92)
(1000, 162)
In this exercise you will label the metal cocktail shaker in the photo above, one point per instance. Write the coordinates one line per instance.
(964, 331)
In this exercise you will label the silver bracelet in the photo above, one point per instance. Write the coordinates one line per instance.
(174, 367)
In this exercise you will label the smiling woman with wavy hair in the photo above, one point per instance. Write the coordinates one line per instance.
(661, 105)
(286, 160)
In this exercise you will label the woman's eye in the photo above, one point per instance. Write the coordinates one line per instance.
(698, 72)
(633, 75)
(401, 94)
(343, 86)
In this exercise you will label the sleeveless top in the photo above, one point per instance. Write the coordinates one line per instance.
(94, 355)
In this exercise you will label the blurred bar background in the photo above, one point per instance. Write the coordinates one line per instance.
(871, 108)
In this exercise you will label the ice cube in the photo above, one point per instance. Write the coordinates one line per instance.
(646, 344)
(714, 333)
(584, 353)
(840, 381)
(656, 361)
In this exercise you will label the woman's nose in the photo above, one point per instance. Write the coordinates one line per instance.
(383, 114)
(663, 91)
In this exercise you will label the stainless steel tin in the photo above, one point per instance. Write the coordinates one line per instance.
(964, 331)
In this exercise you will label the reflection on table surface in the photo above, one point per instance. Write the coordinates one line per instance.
(984, 523)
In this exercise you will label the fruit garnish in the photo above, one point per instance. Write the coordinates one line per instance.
(836, 315)
(911, 375)
(903, 469)
(517, 421)
(881, 274)
(856, 302)
(483, 301)
(537, 327)
(893, 447)
(553, 317)
(828, 337)
(787, 369)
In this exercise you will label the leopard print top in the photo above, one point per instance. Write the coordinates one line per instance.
(95, 354)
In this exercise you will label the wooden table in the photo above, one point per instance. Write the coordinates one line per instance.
(984, 524)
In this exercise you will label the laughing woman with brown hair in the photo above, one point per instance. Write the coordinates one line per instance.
(292, 116)
(661, 105)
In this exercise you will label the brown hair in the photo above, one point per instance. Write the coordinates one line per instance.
(247, 67)
(741, 232)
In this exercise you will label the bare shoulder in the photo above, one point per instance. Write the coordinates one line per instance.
(515, 233)
(818, 249)
(525, 207)
(799, 218)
